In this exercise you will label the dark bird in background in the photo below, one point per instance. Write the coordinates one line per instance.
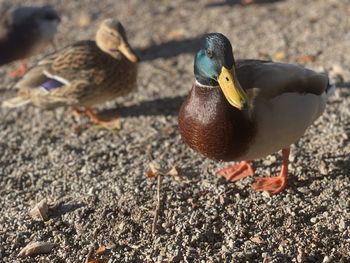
(247, 109)
(25, 31)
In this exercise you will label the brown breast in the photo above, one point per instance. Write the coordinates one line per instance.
(211, 126)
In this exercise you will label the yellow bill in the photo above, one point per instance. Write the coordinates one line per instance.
(126, 50)
(231, 88)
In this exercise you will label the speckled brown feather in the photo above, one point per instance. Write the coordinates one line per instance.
(94, 77)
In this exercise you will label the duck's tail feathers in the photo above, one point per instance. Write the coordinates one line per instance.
(330, 91)
(15, 102)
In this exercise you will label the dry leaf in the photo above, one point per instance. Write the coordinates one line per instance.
(279, 55)
(168, 130)
(120, 226)
(97, 261)
(40, 210)
(155, 169)
(150, 173)
(110, 125)
(84, 20)
(307, 59)
(313, 19)
(247, 2)
(173, 171)
(264, 55)
(337, 71)
(101, 250)
(257, 239)
(36, 248)
(176, 34)
(284, 243)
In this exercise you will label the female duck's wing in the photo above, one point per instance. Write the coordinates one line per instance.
(59, 77)
(59, 71)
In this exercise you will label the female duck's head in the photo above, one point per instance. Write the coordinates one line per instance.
(111, 38)
(215, 66)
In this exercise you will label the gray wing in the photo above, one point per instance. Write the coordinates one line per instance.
(270, 79)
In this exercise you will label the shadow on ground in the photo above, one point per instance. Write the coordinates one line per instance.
(169, 49)
(343, 85)
(62, 209)
(156, 107)
(241, 2)
(346, 124)
(342, 166)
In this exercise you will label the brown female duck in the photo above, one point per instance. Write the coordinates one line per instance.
(25, 31)
(83, 74)
(247, 109)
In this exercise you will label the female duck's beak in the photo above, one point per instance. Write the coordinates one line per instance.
(126, 50)
(231, 88)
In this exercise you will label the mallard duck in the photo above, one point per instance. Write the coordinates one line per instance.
(25, 31)
(247, 109)
(84, 74)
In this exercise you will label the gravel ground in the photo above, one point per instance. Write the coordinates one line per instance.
(95, 180)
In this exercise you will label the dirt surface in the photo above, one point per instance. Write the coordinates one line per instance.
(95, 180)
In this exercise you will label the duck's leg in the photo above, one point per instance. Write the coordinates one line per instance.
(247, 2)
(76, 112)
(113, 123)
(19, 72)
(274, 185)
(236, 172)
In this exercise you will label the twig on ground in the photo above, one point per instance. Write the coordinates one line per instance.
(91, 249)
(156, 211)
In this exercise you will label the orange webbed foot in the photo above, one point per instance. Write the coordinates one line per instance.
(274, 185)
(20, 71)
(76, 112)
(237, 172)
(113, 123)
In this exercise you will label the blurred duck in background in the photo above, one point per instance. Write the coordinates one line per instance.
(83, 74)
(25, 31)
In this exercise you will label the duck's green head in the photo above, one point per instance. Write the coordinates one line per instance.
(214, 65)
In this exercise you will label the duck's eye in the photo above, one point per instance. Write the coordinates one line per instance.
(209, 53)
